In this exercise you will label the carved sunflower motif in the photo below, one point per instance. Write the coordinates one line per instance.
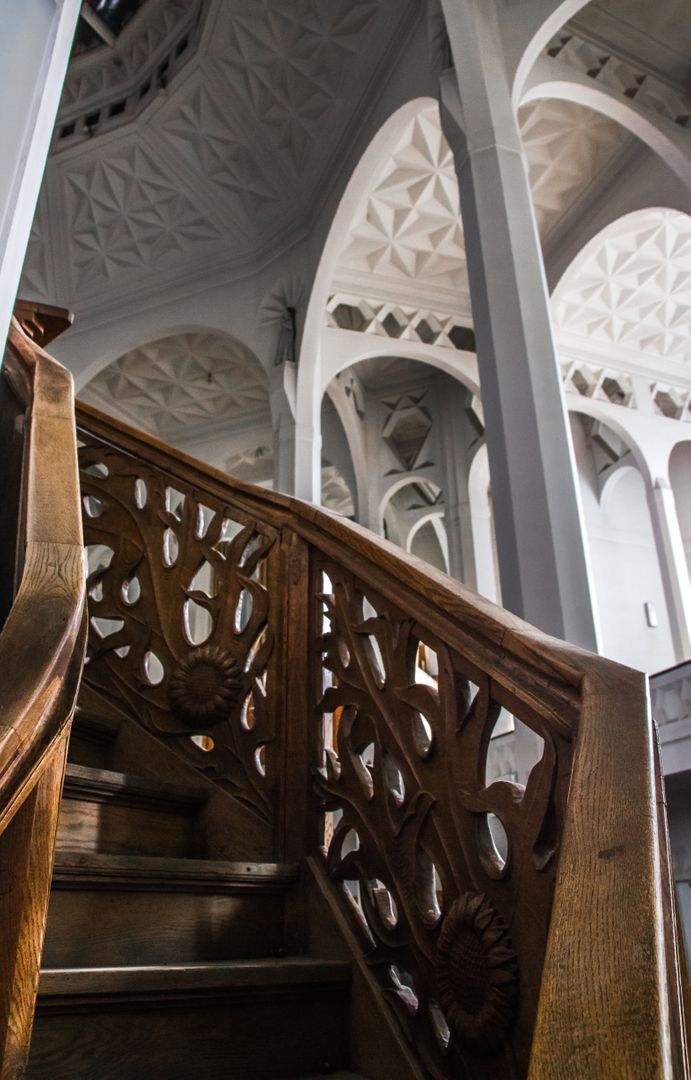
(205, 686)
(477, 971)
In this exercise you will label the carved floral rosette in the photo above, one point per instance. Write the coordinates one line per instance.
(408, 826)
(477, 971)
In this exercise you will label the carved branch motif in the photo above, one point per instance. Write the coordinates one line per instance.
(448, 875)
(182, 629)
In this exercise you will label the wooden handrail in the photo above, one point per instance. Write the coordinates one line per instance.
(334, 615)
(41, 656)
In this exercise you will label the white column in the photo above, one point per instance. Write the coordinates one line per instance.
(35, 47)
(673, 566)
(297, 447)
(540, 540)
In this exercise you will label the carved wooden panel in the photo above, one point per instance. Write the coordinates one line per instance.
(447, 872)
(182, 624)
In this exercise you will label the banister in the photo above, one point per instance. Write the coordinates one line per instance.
(45, 623)
(41, 655)
(577, 923)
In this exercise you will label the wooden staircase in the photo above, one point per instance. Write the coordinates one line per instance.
(162, 963)
(279, 850)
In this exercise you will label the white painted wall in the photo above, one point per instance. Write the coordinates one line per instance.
(625, 563)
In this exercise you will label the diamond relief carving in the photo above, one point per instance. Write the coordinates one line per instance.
(123, 213)
(632, 286)
(566, 145)
(183, 380)
(288, 58)
(411, 225)
(196, 128)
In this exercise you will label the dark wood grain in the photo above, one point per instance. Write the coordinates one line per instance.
(41, 654)
(493, 966)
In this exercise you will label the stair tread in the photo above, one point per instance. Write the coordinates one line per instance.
(95, 725)
(230, 974)
(75, 869)
(83, 781)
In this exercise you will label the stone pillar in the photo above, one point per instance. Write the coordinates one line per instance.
(455, 442)
(540, 540)
(673, 566)
(34, 49)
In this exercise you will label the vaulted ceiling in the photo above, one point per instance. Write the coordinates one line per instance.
(204, 137)
(407, 236)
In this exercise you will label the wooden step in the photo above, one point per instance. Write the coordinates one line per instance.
(121, 813)
(247, 1019)
(143, 910)
(91, 739)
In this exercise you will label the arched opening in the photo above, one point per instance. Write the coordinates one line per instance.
(201, 391)
(634, 618)
(412, 430)
(680, 480)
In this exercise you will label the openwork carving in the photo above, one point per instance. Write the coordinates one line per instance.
(182, 631)
(477, 971)
(434, 857)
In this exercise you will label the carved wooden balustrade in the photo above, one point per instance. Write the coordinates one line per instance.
(345, 697)
(42, 639)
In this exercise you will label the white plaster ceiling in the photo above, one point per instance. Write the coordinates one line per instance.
(568, 147)
(408, 233)
(213, 163)
(181, 383)
(629, 291)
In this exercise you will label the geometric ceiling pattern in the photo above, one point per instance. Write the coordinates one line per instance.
(124, 213)
(108, 75)
(286, 61)
(657, 34)
(176, 165)
(197, 128)
(410, 230)
(566, 144)
(631, 287)
(182, 382)
(411, 225)
(629, 80)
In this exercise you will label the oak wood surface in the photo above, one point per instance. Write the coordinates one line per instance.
(587, 859)
(41, 654)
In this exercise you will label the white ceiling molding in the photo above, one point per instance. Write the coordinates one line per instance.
(107, 86)
(622, 76)
(410, 226)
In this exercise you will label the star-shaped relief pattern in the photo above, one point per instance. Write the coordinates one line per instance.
(195, 127)
(180, 381)
(288, 59)
(567, 147)
(124, 214)
(411, 224)
(632, 286)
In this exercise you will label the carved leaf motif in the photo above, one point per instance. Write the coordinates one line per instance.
(200, 569)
